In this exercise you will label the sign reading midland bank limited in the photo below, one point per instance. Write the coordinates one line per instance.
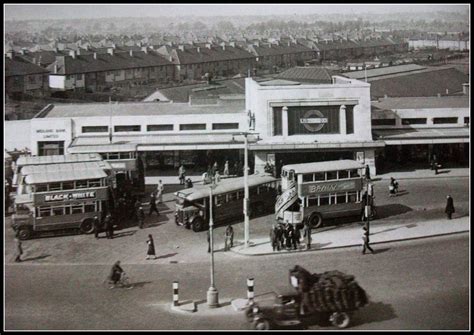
(308, 189)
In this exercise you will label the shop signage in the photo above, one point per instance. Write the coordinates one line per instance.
(313, 120)
(50, 133)
(69, 196)
(328, 187)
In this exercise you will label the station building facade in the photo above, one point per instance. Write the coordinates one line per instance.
(285, 122)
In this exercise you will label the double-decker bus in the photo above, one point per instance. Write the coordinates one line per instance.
(126, 162)
(192, 204)
(317, 191)
(24, 161)
(59, 200)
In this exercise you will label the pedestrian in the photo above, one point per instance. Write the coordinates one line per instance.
(97, 227)
(19, 249)
(141, 217)
(449, 207)
(208, 242)
(160, 189)
(205, 178)
(367, 172)
(136, 206)
(153, 207)
(370, 194)
(217, 177)
(151, 247)
(109, 226)
(229, 238)
(182, 174)
(226, 168)
(392, 186)
(290, 237)
(273, 238)
(189, 183)
(297, 236)
(122, 205)
(435, 167)
(307, 234)
(280, 237)
(116, 273)
(366, 240)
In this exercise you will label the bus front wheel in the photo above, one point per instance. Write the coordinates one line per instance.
(87, 226)
(198, 224)
(24, 233)
(316, 220)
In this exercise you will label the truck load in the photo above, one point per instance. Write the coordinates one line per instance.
(331, 291)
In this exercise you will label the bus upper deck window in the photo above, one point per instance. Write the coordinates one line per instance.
(343, 174)
(331, 175)
(291, 175)
(354, 173)
(81, 183)
(307, 177)
(319, 176)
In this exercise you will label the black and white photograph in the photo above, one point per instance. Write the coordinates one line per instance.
(236, 167)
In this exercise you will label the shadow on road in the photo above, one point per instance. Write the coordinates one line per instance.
(140, 283)
(385, 211)
(35, 258)
(167, 255)
(374, 312)
(379, 251)
(129, 233)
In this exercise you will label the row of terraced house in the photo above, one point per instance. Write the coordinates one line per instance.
(97, 69)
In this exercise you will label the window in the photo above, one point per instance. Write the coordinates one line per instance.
(219, 126)
(343, 174)
(125, 155)
(95, 129)
(81, 183)
(340, 198)
(312, 202)
(79, 76)
(54, 186)
(44, 211)
(442, 120)
(324, 200)
(90, 207)
(277, 121)
(159, 127)
(232, 196)
(68, 185)
(352, 197)
(50, 148)
(354, 173)
(466, 120)
(67, 210)
(41, 188)
(219, 200)
(331, 175)
(319, 176)
(94, 183)
(58, 211)
(117, 73)
(350, 119)
(113, 155)
(192, 126)
(119, 129)
(383, 122)
(76, 209)
(410, 121)
(307, 177)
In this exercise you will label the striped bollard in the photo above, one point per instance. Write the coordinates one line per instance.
(250, 292)
(175, 293)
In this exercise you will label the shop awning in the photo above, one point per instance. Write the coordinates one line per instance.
(165, 142)
(422, 135)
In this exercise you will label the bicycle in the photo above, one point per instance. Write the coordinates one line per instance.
(124, 282)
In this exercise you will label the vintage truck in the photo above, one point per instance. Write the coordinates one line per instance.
(330, 297)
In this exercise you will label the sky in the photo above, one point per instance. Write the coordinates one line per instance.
(72, 11)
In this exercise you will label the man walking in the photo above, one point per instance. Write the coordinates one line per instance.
(141, 217)
(449, 207)
(19, 249)
(153, 207)
(96, 226)
(160, 190)
(367, 172)
(366, 240)
(273, 238)
(109, 226)
(307, 234)
(182, 174)
(229, 238)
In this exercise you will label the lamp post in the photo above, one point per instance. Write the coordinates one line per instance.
(212, 293)
(246, 194)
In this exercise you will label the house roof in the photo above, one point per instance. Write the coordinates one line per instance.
(106, 62)
(382, 71)
(422, 102)
(424, 83)
(280, 49)
(191, 55)
(313, 74)
(20, 67)
(138, 109)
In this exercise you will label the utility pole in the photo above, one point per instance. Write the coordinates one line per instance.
(246, 194)
(212, 293)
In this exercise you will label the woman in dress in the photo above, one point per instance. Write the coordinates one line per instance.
(151, 247)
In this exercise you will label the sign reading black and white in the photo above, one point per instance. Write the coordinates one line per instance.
(69, 196)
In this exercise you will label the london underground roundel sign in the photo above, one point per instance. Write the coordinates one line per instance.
(313, 120)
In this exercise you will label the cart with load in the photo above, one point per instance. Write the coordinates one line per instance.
(330, 296)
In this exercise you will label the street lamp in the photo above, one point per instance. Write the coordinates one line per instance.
(212, 294)
(246, 194)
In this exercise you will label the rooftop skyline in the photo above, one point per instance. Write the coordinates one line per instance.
(73, 11)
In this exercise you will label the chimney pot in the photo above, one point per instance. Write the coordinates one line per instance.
(198, 49)
(95, 55)
(131, 53)
(72, 53)
(110, 51)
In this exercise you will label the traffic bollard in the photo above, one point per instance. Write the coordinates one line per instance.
(250, 292)
(175, 293)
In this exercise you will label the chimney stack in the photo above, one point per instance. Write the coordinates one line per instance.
(170, 58)
(55, 68)
(181, 47)
(198, 49)
(223, 47)
(23, 51)
(110, 51)
(208, 45)
(72, 53)
(95, 55)
(232, 44)
(145, 49)
(10, 54)
(131, 53)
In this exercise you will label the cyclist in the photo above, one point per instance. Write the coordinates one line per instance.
(116, 273)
